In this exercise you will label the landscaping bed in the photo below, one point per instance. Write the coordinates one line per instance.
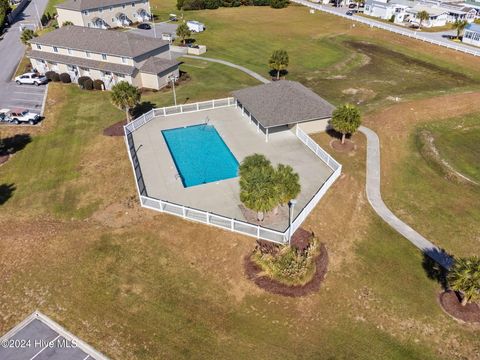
(265, 266)
(4, 158)
(115, 129)
(450, 303)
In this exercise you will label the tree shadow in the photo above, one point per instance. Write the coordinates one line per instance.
(6, 192)
(273, 74)
(12, 144)
(436, 264)
(142, 108)
(336, 135)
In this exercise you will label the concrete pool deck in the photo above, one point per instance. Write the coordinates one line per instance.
(161, 176)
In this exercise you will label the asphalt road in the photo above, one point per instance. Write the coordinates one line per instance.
(11, 52)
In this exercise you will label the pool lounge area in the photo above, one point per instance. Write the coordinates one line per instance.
(160, 174)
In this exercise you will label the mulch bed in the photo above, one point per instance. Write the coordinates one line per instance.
(115, 129)
(346, 147)
(252, 271)
(450, 303)
(4, 158)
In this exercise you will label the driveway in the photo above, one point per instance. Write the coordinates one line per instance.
(12, 51)
(163, 27)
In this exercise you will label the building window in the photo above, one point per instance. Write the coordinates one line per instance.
(39, 47)
(70, 52)
(121, 76)
(124, 60)
(104, 56)
(88, 54)
(100, 10)
(133, 4)
(111, 8)
(55, 49)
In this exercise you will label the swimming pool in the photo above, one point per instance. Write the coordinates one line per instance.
(200, 154)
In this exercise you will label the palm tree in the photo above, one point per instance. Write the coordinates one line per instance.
(125, 96)
(422, 16)
(27, 35)
(278, 61)
(257, 189)
(346, 119)
(287, 182)
(251, 162)
(460, 25)
(464, 277)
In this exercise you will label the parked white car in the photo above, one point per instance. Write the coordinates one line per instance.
(31, 79)
(23, 116)
(195, 26)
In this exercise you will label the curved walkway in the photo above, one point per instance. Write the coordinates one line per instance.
(241, 68)
(374, 195)
(375, 199)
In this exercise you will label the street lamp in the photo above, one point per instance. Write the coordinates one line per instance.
(172, 79)
(153, 20)
(38, 15)
(291, 205)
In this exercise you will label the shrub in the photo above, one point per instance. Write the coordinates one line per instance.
(81, 81)
(212, 4)
(288, 265)
(88, 84)
(279, 4)
(98, 85)
(52, 76)
(65, 78)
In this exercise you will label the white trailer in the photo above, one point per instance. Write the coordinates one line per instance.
(195, 26)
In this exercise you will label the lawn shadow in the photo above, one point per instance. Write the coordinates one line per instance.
(142, 108)
(436, 264)
(6, 192)
(13, 144)
(273, 74)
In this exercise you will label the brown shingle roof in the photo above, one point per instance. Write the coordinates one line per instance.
(282, 103)
(80, 5)
(82, 62)
(156, 65)
(110, 42)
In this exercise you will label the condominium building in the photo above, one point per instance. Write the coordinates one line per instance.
(103, 14)
(110, 56)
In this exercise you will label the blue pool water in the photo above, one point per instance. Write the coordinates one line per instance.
(200, 154)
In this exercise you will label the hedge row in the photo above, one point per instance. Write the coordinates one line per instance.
(84, 82)
(215, 4)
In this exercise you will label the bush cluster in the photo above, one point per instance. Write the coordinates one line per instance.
(98, 84)
(215, 4)
(288, 265)
(52, 76)
(65, 78)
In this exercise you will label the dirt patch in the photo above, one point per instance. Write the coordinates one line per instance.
(253, 273)
(4, 159)
(450, 303)
(270, 218)
(115, 129)
(346, 147)
(430, 152)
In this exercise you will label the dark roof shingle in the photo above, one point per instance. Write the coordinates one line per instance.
(110, 42)
(156, 65)
(283, 102)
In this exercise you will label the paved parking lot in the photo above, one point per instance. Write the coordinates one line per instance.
(163, 27)
(29, 97)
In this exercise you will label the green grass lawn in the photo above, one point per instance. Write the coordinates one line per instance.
(156, 286)
(444, 211)
(141, 285)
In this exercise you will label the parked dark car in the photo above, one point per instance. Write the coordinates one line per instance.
(352, 6)
(350, 12)
(144, 26)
